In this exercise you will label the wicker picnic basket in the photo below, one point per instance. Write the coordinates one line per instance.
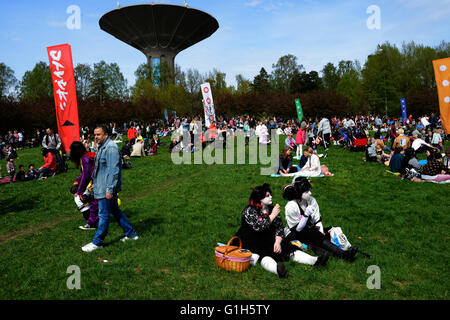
(232, 258)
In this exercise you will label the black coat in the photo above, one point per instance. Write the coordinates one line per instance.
(258, 234)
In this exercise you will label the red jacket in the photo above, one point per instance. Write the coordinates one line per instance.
(212, 131)
(50, 162)
(300, 137)
(132, 134)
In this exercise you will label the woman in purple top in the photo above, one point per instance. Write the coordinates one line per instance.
(83, 184)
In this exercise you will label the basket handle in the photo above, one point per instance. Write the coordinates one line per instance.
(228, 245)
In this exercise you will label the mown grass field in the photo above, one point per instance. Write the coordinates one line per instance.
(181, 211)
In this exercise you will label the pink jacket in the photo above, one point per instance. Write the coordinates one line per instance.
(300, 137)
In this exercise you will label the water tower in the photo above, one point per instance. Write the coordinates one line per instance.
(160, 31)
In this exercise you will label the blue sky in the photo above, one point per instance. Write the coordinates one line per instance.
(252, 33)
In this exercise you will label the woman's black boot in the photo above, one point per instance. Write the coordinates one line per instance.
(348, 255)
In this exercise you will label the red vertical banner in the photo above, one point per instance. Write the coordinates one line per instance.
(61, 67)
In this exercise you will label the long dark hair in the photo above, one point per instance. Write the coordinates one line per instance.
(77, 150)
(258, 194)
(301, 185)
(44, 151)
(377, 134)
(284, 153)
(409, 154)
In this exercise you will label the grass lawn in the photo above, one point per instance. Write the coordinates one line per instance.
(181, 211)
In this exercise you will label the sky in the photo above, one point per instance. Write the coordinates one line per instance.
(252, 33)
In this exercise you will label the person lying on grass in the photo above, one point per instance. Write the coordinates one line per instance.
(262, 232)
(435, 170)
(304, 223)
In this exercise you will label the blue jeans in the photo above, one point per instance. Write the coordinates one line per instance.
(45, 172)
(105, 207)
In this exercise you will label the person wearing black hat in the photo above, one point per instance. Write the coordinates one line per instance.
(304, 222)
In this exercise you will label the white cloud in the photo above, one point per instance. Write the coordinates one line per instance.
(56, 24)
(426, 3)
(253, 3)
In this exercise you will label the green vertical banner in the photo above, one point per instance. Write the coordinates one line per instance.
(299, 110)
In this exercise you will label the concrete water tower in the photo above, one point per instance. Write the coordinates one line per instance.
(160, 31)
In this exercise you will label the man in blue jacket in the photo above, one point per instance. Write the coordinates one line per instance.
(107, 180)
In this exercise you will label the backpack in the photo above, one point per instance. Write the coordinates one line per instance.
(338, 238)
(411, 174)
(126, 165)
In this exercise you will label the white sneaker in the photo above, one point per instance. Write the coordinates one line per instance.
(87, 227)
(90, 247)
(126, 238)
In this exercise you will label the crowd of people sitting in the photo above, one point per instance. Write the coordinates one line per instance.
(408, 141)
(51, 152)
(143, 139)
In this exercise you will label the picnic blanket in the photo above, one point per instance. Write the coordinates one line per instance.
(6, 180)
(423, 162)
(394, 173)
(321, 155)
(439, 182)
(279, 175)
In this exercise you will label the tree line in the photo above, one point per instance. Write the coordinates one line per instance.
(347, 88)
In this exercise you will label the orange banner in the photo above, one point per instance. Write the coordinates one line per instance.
(442, 73)
(61, 67)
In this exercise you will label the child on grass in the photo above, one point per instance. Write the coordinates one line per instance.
(11, 168)
(81, 187)
(21, 175)
(32, 173)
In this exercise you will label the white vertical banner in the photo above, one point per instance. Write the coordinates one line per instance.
(208, 103)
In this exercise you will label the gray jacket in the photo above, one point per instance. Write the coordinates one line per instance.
(107, 174)
(52, 142)
(324, 126)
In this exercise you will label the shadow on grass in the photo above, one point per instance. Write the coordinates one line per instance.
(16, 204)
(142, 228)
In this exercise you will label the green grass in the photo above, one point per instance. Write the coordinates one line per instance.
(181, 211)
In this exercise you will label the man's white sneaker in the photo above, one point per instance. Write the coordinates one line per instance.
(126, 238)
(90, 247)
